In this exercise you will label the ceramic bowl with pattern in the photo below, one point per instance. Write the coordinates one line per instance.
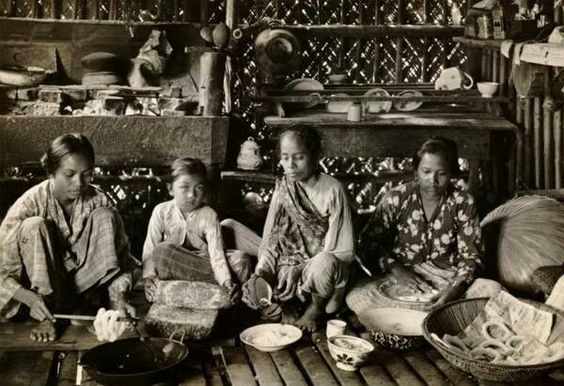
(394, 328)
(349, 352)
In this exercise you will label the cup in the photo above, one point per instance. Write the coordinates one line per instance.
(335, 327)
(354, 112)
(487, 89)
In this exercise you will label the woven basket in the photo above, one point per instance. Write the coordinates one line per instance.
(453, 317)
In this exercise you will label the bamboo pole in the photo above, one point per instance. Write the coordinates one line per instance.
(212, 67)
(425, 58)
(537, 141)
(503, 75)
(369, 31)
(527, 140)
(361, 15)
(489, 65)
(113, 10)
(175, 10)
(548, 131)
(519, 148)
(231, 22)
(399, 43)
(341, 51)
(484, 65)
(376, 63)
(495, 66)
(557, 125)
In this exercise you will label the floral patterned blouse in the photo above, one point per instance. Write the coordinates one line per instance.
(451, 238)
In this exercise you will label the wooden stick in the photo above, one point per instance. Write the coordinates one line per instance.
(489, 65)
(548, 130)
(399, 42)
(113, 10)
(484, 65)
(360, 43)
(90, 317)
(537, 141)
(376, 63)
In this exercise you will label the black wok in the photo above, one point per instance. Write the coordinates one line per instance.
(134, 362)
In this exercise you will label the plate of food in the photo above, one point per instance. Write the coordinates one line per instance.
(408, 105)
(305, 84)
(373, 106)
(271, 336)
(391, 289)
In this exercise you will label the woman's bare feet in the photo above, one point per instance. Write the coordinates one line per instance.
(44, 332)
(309, 320)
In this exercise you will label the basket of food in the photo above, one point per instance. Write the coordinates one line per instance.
(500, 339)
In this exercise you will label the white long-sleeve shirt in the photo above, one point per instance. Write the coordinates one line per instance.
(200, 230)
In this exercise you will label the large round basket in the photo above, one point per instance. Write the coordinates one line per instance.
(453, 317)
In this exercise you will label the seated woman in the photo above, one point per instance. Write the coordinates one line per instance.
(431, 229)
(307, 243)
(184, 240)
(62, 243)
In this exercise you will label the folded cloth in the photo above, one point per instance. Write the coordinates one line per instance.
(556, 298)
(191, 294)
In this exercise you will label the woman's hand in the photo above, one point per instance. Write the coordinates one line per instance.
(39, 311)
(288, 283)
(407, 278)
(451, 292)
(151, 288)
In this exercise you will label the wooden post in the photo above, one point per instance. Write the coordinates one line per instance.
(399, 43)
(113, 11)
(231, 21)
(484, 65)
(489, 65)
(359, 45)
(212, 68)
(557, 125)
(537, 140)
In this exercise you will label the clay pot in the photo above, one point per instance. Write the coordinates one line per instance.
(220, 35)
(249, 157)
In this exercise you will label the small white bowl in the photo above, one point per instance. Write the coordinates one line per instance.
(337, 78)
(349, 352)
(487, 89)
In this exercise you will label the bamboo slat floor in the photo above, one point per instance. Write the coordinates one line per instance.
(229, 362)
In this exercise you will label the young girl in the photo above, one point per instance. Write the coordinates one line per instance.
(184, 239)
(61, 240)
(307, 243)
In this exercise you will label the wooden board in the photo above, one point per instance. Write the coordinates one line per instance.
(313, 364)
(26, 368)
(287, 368)
(237, 367)
(15, 337)
(264, 367)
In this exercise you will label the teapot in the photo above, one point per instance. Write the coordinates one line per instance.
(453, 78)
(249, 156)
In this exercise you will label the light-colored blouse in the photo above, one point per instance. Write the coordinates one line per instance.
(200, 230)
(329, 197)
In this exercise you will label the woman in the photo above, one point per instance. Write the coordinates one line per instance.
(307, 243)
(432, 230)
(62, 242)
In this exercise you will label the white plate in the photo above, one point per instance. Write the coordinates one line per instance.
(408, 105)
(271, 336)
(339, 106)
(378, 106)
(305, 84)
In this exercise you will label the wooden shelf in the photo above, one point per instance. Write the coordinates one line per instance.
(269, 178)
(248, 176)
(478, 43)
(370, 31)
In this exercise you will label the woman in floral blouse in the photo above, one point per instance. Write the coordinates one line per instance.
(431, 229)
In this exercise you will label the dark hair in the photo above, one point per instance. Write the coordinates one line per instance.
(442, 146)
(309, 137)
(64, 145)
(188, 166)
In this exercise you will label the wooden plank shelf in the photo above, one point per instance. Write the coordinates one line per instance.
(478, 43)
(370, 31)
(323, 97)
